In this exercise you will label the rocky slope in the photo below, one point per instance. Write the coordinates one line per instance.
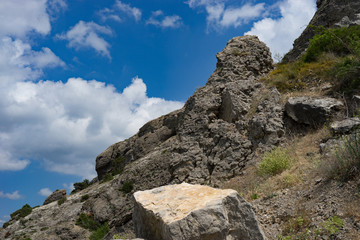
(217, 137)
(211, 139)
(330, 13)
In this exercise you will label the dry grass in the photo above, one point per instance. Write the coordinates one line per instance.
(304, 150)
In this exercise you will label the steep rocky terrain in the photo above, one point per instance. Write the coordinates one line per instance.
(210, 140)
(218, 138)
(330, 13)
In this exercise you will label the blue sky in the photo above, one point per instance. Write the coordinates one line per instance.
(79, 75)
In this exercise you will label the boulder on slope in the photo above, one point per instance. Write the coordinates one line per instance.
(55, 196)
(312, 111)
(190, 212)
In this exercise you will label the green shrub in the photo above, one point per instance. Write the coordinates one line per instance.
(108, 177)
(118, 165)
(100, 232)
(347, 75)
(61, 201)
(341, 41)
(80, 186)
(333, 225)
(6, 224)
(23, 212)
(344, 164)
(87, 222)
(84, 197)
(127, 187)
(275, 162)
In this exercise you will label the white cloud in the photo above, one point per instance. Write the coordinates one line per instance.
(280, 33)
(18, 62)
(198, 3)
(159, 19)
(56, 6)
(45, 192)
(18, 17)
(86, 34)
(12, 196)
(66, 125)
(127, 9)
(220, 16)
(109, 14)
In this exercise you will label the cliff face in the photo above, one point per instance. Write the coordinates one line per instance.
(330, 13)
(211, 139)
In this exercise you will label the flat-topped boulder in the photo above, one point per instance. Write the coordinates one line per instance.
(186, 211)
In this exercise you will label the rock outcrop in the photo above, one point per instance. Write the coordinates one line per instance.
(345, 126)
(199, 212)
(312, 111)
(55, 196)
(215, 134)
(330, 13)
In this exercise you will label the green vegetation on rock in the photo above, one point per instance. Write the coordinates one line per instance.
(87, 221)
(21, 213)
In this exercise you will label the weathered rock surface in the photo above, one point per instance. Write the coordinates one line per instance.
(345, 126)
(217, 131)
(330, 13)
(312, 111)
(55, 196)
(198, 212)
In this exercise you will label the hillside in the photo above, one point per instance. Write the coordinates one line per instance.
(283, 135)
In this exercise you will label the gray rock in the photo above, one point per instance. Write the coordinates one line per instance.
(345, 125)
(55, 196)
(187, 211)
(312, 111)
(330, 13)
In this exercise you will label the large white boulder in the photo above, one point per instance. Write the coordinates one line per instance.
(189, 212)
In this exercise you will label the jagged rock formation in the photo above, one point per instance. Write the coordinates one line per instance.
(330, 13)
(312, 111)
(216, 132)
(209, 140)
(186, 211)
(55, 196)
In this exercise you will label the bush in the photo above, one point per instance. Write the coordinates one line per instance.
(127, 187)
(84, 197)
(118, 165)
(23, 212)
(87, 222)
(108, 177)
(61, 201)
(344, 164)
(100, 232)
(275, 162)
(80, 186)
(341, 41)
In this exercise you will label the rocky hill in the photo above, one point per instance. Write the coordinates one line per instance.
(219, 139)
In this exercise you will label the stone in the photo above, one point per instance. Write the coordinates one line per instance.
(55, 196)
(345, 125)
(186, 211)
(330, 13)
(312, 111)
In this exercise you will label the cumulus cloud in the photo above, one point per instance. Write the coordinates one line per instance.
(87, 34)
(127, 9)
(22, 16)
(220, 16)
(12, 196)
(159, 19)
(45, 192)
(280, 33)
(66, 124)
(56, 6)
